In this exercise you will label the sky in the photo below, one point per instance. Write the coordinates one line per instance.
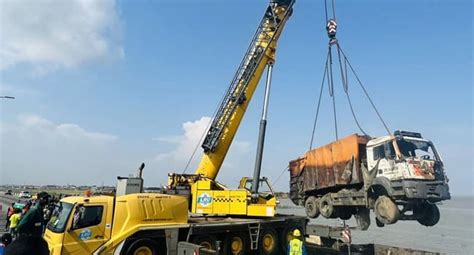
(102, 86)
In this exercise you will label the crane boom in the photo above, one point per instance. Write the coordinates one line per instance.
(261, 52)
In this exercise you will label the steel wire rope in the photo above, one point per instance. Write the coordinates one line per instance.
(319, 103)
(326, 9)
(365, 92)
(345, 85)
(278, 178)
(331, 91)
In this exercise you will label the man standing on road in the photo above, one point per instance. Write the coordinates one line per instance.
(296, 246)
(14, 220)
(32, 223)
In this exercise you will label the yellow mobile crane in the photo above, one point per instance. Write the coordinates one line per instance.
(133, 222)
(206, 196)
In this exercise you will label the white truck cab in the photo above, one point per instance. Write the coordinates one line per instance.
(413, 178)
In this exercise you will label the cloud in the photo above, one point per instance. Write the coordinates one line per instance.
(51, 34)
(238, 162)
(35, 150)
(186, 143)
(240, 156)
(7, 89)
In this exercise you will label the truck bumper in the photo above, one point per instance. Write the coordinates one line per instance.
(432, 191)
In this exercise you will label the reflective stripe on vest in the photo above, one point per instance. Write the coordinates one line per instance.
(296, 247)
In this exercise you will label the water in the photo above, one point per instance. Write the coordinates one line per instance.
(454, 234)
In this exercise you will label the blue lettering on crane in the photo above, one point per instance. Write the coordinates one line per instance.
(204, 199)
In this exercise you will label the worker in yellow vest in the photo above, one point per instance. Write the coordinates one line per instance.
(296, 246)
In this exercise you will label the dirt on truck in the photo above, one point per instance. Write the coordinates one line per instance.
(391, 175)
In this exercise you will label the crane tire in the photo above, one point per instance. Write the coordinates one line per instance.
(236, 244)
(207, 241)
(268, 242)
(143, 246)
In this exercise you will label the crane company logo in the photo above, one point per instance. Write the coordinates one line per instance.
(85, 234)
(204, 199)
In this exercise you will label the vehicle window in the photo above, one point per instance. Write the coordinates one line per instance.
(379, 152)
(389, 150)
(412, 148)
(58, 221)
(86, 216)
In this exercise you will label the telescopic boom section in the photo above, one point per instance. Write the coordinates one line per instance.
(260, 53)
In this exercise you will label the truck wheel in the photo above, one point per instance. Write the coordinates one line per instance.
(142, 247)
(236, 244)
(326, 207)
(429, 214)
(206, 241)
(312, 207)
(386, 210)
(268, 242)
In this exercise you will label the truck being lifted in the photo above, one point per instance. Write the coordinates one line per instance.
(392, 175)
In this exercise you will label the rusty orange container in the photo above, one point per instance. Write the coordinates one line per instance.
(331, 165)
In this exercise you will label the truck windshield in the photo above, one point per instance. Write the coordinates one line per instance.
(416, 149)
(58, 221)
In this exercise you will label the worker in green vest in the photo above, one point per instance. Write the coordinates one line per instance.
(296, 246)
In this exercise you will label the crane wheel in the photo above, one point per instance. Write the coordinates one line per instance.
(311, 206)
(236, 244)
(326, 207)
(206, 241)
(143, 247)
(428, 214)
(268, 242)
(386, 210)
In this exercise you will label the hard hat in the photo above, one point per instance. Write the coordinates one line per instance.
(296, 232)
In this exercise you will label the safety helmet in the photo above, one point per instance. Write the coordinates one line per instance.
(296, 233)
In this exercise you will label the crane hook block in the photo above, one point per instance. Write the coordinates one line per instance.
(331, 27)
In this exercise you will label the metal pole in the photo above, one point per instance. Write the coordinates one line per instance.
(261, 134)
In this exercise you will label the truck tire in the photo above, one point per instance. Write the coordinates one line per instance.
(386, 210)
(236, 244)
(311, 206)
(143, 247)
(206, 241)
(429, 214)
(268, 242)
(326, 207)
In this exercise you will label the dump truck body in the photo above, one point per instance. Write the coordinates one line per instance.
(334, 165)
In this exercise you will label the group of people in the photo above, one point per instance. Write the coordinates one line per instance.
(26, 228)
